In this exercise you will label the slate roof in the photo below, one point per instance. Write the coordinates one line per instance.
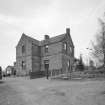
(29, 38)
(48, 41)
(52, 39)
(32, 39)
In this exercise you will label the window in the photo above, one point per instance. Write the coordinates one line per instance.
(46, 49)
(69, 64)
(65, 46)
(70, 49)
(23, 65)
(46, 65)
(23, 49)
(46, 61)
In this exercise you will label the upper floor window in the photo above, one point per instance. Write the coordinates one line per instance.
(46, 49)
(23, 49)
(70, 49)
(69, 64)
(65, 46)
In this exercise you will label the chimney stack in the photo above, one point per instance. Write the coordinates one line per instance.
(67, 30)
(46, 37)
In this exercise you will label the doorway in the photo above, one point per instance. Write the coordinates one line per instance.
(46, 65)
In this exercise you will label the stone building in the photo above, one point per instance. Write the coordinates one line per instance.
(55, 53)
(9, 70)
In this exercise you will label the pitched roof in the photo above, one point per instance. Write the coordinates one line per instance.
(43, 42)
(32, 40)
(28, 38)
(9, 67)
(53, 39)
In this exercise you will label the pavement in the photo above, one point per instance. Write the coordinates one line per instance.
(23, 91)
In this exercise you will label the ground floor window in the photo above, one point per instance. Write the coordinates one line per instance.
(23, 65)
(46, 64)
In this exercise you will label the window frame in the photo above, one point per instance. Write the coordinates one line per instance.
(46, 48)
(65, 46)
(23, 65)
(68, 63)
(71, 50)
(23, 49)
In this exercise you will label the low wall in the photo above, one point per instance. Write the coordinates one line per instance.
(37, 74)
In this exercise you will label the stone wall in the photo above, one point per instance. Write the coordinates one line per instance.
(55, 62)
(53, 55)
(53, 49)
(26, 57)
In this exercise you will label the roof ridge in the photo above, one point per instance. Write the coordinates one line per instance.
(54, 37)
(33, 40)
(58, 35)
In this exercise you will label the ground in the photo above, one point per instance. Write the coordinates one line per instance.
(23, 91)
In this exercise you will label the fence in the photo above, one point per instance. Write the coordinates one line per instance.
(78, 75)
(58, 73)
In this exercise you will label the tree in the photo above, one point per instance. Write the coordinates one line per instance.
(80, 65)
(99, 45)
(91, 65)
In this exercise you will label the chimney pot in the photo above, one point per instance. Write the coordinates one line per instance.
(46, 37)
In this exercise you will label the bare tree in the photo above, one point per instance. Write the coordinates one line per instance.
(99, 45)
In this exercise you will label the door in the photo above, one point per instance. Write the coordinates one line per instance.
(46, 65)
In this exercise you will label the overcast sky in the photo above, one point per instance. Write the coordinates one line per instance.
(39, 17)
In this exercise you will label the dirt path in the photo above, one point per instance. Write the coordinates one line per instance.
(23, 91)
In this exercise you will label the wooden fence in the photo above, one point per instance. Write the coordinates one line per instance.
(77, 75)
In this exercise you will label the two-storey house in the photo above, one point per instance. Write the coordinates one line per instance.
(55, 54)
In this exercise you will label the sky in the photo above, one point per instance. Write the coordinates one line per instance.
(39, 17)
